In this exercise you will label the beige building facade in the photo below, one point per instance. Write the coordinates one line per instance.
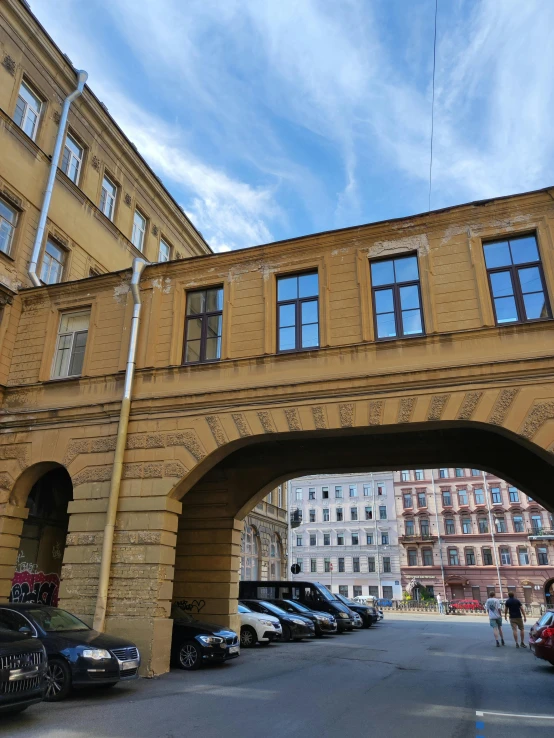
(264, 539)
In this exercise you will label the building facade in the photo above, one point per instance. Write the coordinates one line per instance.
(464, 534)
(346, 533)
(264, 539)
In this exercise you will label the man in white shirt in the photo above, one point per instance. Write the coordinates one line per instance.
(439, 603)
(494, 611)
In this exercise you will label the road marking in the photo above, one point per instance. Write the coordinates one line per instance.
(514, 714)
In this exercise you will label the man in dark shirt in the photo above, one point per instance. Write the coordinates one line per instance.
(514, 609)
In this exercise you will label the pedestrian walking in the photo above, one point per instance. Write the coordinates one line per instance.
(494, 611)
(514, 609)
(440, 605)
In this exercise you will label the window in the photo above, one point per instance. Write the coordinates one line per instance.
(384, 539)
(326, 539)
(53, 262)
(368, 513)
(516, 280)
(466, 525)
(27, 110)
(356, 564)
(505, 557)
(421, 499)
(250, 553)
(71, 344)
(300, 563)
(298, 494)
(279, 496)
(380, 490)
(396, 297)
(325, 493)
(353, 513)
(312, 516)
(367, 490)
(353, 490)
(419, 475)
(487, 557)
(500, 525)
(164, 252)
(340, 539)
(427, 557)
(343, 590)
(405, 476)
(447, 499)
(371, 563)
(313, 539)
(407, 498)
(453, 557)
(424, 527)
(542, 555)
(297, 312)
(412, 557)
(523, 556)
(341, 564)
(338, 492)
(203, 327)
(483, 525)
(462, 497)
(355, 539)
(449, 526)
(311, 493)
(8, 221)
(357, 590)
(479, 496)
(382, 512)
(529, 499)
(518, 524)
(475, 472)
(72, 158)
(369, 539)
(514, 494)
(373, 591)
(470, 557)
(298, 540)
(387, 591)
(108, 197)
(139, 230)
(496, 496)
(443, 473)
(410, 528)
(313, 565)
(536, 523)
(386, 564)
(459, 472)
(339, 514)
(326, 515)
(326, 565)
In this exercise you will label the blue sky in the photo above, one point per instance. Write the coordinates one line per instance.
(269, 119)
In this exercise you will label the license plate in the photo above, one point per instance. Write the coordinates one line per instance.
(126, 665)
(234, 649)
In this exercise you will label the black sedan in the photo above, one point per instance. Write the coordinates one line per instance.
(22, 671)
(77, 655)
(369, 615)
(195, 643)
(295, 626)
(324, 623)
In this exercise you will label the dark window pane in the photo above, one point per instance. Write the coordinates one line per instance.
(524, 249)
(310, 335)
(505, 309)
(409, 297)
(194, 329)
(384, 302)
(501, 284)
(214, 326)
(287, 288)
(386, 327)
(535, 306)
(195, 302)
(530, 279)
(287, 316)
(214, 300)
(406, 269)
(382, 272)
(411, 322)
(287, 339)
(307, 285)
(497, 254)
(309, 312)
(213, 349)
(192, 352)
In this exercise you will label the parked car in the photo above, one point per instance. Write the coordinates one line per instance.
(541, 637)
(257, 628)
(465, 606)
(295, 627)
(324, 623)
(367, 614)
(383, 602)
(370, 601)
(77, 655)
(22, 671)
(195, 643)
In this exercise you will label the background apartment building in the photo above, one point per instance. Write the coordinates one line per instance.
(264, 539)
(469, 534)
(347, 534)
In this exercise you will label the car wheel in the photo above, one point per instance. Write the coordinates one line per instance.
(58, 680)
(190, 657)
(367, 623)
(286, 634)
(248, 636)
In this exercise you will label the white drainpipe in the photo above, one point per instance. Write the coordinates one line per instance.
(82, 77)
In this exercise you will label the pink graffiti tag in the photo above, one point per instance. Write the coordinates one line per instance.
(35, 587)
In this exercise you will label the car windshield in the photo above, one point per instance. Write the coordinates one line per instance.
(243, 608)
(325, 592)
(273, 608)
(54, 620)
(347, 601)
(297, 606)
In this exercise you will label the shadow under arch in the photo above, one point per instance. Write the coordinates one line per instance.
(30, 476)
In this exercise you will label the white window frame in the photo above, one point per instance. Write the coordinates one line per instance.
(164, 243)
(63, 371)
(7, 227)
(70, 157)
(27, 106)
(51, 259)
(108, 206)
(139, 234)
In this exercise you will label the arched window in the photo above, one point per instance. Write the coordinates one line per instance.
(275, 557)
(250, 554)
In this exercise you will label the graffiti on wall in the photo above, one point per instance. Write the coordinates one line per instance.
(31, 585)
(190, 606)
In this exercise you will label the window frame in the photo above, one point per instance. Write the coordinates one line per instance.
(140, 213)
(56, 244)
(169, 250)
(79, 145)
(33, 90)
(114, 184)
(59, 335)
(204, 328)
(397, 309)
(11, 226)
(297, 302)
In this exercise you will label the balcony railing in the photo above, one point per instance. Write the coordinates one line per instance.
(544, 534)
(418, 538)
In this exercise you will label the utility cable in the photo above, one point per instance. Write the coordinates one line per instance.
(433, 103)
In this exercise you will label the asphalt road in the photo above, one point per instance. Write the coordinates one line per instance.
(411, 676)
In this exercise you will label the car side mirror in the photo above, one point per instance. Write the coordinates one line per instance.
(26, 630)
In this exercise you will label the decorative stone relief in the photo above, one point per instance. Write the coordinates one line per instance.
(155, 230)
(469, 403)
(127, 199)
(346, 414)
(438, 403)
(17, 451)
(406, 409)
(174, 469)
(267, 421)
(74, 448)
(9, 64)
(99, 445)
(217, 429)
(189, 440)
(93, 474)
(502, 405)
(56, 117)
(95, 161)
(376, 412)
(538, 415)
(242, 425)
(320, 420)
(293, 419)
(6, 481)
